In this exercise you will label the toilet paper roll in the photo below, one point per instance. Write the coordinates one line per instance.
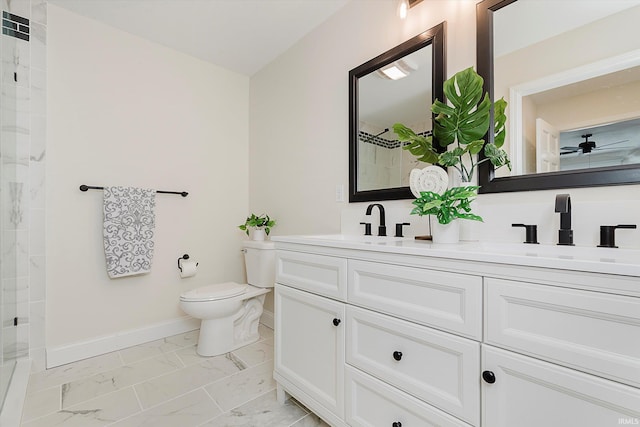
(189, 268)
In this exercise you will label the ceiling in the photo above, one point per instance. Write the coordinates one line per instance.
(239, 35)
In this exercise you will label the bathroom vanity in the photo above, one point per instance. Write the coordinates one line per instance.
(396, 332)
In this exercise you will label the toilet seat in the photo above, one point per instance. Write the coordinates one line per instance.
(214, 292)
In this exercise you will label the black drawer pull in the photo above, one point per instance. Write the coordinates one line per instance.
(396, 424)
(489, 377)
(336, 322)
(397, 355)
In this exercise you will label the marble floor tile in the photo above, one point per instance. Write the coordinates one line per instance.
(311, 420)
(41, 403)
(158, 347)
(242, 387)
(165, 383)
(256, 353)
(189, 356)
(101, 411)
(168, 386)
(188, 410)
(73, 371)
(106, 382)
(262, 411)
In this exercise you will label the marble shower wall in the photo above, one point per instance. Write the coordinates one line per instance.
(22, 167)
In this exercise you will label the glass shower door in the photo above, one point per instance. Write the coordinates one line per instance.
(10, 223)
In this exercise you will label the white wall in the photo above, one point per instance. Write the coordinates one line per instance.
(124, 111)
(299, 133)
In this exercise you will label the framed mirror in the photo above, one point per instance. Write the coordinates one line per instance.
(574, 106)
(397, 86)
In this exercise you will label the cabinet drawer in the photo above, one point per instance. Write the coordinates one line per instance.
(531, 393)
(448, 301)
(320, 274)
(439, 368)
(593, 332)
(372, 403)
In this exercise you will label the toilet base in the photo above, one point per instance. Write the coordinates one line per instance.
(222, 335)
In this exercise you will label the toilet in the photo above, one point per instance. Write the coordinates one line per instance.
(230, 312)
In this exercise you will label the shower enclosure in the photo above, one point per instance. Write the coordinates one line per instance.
(10, 224)
(22, 134)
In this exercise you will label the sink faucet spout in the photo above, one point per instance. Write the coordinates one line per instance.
(382, 228)
(563, 207)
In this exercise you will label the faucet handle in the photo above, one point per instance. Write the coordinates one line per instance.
(531, 232)
(399, 228)
(608, 234)
(367, 228)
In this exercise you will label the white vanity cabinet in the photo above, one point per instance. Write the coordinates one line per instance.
(426, 340)
(309, 331)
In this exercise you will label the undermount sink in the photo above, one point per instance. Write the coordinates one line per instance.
(354, 238)
(631, 256)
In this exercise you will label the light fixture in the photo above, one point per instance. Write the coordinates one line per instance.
(397, 69)
(404, 6)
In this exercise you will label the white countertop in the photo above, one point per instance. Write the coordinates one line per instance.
(617, 261)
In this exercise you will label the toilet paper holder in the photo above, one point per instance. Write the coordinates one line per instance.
(184, 257)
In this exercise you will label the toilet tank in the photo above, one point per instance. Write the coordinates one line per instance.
(260, 263)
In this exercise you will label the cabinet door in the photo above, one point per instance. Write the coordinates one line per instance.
(309, 345)
(531, 393)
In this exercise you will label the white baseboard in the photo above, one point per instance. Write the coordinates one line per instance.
(62, 355)
(267, 319)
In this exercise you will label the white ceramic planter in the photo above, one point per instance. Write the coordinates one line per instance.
(445, 233)
(257, 234)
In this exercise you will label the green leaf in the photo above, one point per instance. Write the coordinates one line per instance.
(497, 156)
(500, 120)
(467, 120)
(419, 146)
(453, 203)
(475, 147)
(448, 159)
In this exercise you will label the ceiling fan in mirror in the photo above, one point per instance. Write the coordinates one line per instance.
(587, 146)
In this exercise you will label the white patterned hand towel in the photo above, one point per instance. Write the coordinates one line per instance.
(129, 222)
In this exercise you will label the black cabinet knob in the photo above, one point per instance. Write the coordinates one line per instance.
(336, 322)
(396, 424)
(397, 355)
(489, 377)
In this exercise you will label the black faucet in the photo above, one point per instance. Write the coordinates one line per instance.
(563, 206)
(382, 228)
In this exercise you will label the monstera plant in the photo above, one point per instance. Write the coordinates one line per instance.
(462, 125)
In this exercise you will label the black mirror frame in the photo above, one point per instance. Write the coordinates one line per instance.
(614, 175)
(436, 38)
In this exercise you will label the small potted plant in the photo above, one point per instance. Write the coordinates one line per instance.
(454, 203)
(259, 224)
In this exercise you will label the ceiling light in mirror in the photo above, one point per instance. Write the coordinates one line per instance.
(398, 69)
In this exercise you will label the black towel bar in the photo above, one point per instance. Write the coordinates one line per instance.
(89, 187)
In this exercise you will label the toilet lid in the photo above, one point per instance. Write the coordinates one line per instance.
(214, 292)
